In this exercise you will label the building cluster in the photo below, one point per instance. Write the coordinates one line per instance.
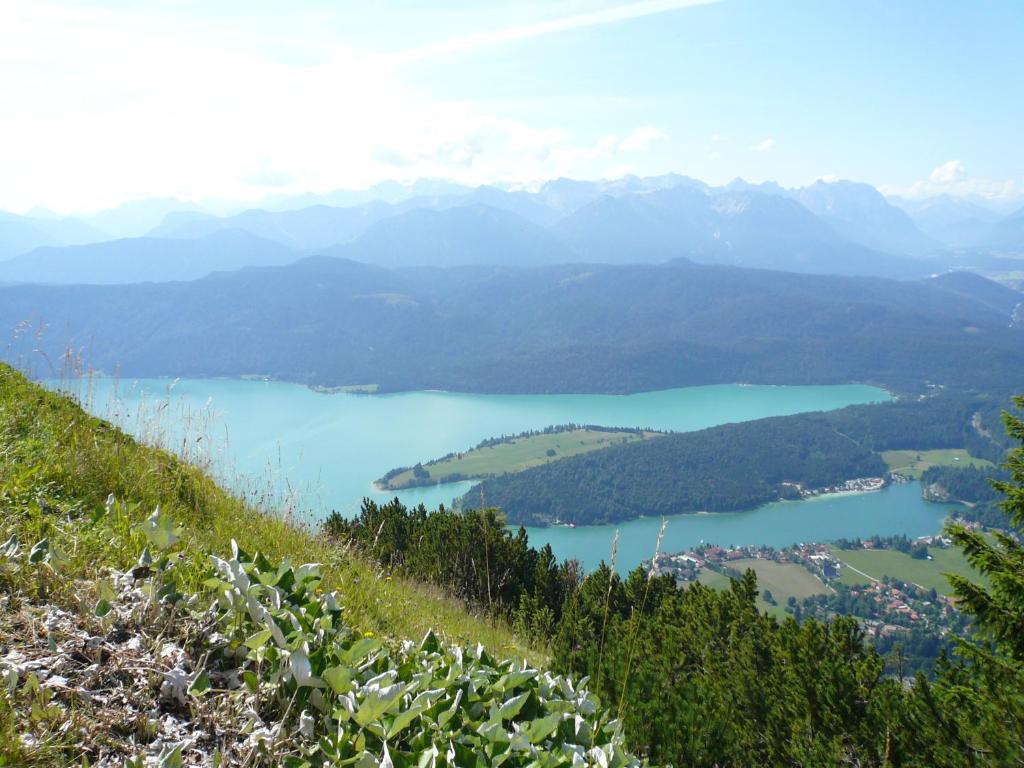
(889, 599)
(899, 608)
(857, 485)
(686, 566)
(884, 608)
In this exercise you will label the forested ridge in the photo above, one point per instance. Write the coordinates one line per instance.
(739, 466)
(559, 329)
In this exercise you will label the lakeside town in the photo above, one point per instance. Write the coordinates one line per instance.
(815, 578)
(856, 485)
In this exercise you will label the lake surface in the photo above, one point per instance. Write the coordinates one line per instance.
(285, 444)
(893, 510)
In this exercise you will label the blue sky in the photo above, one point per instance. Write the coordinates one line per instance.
(102, 102)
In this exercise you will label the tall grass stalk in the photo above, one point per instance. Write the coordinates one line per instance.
(638, 616)
(607, 607)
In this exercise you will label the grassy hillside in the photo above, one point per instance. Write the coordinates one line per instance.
(58, 464)
(512, 455)
(148, 617)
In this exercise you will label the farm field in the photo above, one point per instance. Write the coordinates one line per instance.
(877, 563)
(914, 463)
(783, 580)
(514, 455)
(713, 579)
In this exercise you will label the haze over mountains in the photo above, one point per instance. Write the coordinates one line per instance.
(827, 227)
(145, 259)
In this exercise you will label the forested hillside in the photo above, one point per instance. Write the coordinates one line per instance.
(576, 328)
(739, 466)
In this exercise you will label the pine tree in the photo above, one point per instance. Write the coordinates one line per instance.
(974, 713)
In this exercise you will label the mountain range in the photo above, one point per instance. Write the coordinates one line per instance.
(859, 213)
(827, 227)
(21, 234)
(955, 222)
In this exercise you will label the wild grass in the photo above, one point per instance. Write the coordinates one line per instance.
(58, 464)
(637, 617)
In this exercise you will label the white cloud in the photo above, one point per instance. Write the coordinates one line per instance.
(953, 178)
(641, 138)
(714, 156)
(949, 172)
(767, 145)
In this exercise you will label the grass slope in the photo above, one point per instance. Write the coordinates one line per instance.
(877, 563)
(914, 463)
(515, 455)
(57, 464)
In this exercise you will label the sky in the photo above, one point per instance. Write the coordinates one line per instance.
(108, 101)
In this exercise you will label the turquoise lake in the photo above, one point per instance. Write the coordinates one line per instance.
(309, 453)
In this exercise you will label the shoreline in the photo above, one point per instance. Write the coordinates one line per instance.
(329, 389)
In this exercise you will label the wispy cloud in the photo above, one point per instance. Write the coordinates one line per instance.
(641, 138)
(489, 38)
(767, 145)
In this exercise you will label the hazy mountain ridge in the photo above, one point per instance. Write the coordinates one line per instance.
(827, 227)
(473, 234)
(862, 215)
(20, 234)
(1009, 233)
(144, 259)
(570, 328)
(744, 228)
(955, 222)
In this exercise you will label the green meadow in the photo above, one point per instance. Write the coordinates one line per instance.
(514, 455)
(877, 563)
(914, 463)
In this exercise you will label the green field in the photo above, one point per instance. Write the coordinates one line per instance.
(914, 463)
(783, 580)
(713, 579)
(348, 389)
(515, 455)
(877, 563)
